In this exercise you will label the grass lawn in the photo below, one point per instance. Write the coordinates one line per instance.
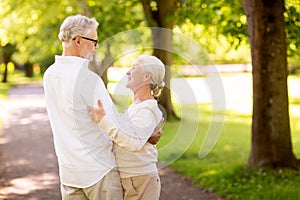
(222, 170)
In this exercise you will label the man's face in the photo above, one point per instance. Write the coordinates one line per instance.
(88, 47)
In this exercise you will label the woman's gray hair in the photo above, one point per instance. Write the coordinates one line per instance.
(154, 66)
(76, 25)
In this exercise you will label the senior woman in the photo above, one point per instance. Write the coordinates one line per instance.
(136, 158)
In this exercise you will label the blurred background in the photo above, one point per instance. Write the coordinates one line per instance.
(28, 30)
(197, 40)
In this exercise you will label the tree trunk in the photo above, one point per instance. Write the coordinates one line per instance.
(28, 69)
(7, 52)
(162, 39)
(161, 17)
(4, 79)
(101, 69)
(106, 63)
(271, 138)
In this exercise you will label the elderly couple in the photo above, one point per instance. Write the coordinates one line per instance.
(102, 154)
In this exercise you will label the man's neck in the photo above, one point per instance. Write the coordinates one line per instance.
(70, 51)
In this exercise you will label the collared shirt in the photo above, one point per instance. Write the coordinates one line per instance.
(83, 150)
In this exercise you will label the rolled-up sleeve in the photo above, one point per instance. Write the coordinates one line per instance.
(131, 134)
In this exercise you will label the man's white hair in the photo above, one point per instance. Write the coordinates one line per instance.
(76, 25)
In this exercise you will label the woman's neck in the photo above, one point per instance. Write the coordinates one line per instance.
(141, 95)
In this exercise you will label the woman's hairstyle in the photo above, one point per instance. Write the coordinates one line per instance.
(76, 25)
(154, 66)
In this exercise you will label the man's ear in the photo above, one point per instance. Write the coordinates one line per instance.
(77, 40)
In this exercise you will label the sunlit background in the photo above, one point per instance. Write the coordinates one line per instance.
(209, 39)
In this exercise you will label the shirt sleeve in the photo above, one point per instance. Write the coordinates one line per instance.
(132, 134)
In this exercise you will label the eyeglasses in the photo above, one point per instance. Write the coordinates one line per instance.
(95, 41)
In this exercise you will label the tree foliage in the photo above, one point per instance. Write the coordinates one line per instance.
(292, 23)
(33, 25)
(227, 18)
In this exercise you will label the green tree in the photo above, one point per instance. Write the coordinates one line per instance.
(292, 24)
(160, 14)
(33, 27)
(227, 18)
(271, 138)
(270, 25)
(7, 51)
(114, 17)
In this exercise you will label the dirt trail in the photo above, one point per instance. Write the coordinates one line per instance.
(29, 168)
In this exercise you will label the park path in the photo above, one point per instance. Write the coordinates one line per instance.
(29, 168)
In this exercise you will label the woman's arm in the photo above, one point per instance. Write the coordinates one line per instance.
(131, 135)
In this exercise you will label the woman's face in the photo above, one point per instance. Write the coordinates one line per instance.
(136, 76)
